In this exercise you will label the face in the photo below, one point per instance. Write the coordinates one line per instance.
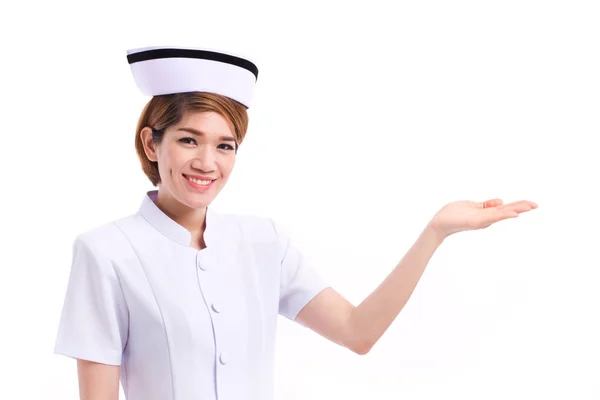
(195, 158)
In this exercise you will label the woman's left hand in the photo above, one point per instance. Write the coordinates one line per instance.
(471, 215)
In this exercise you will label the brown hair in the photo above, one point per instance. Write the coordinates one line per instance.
(161, 112)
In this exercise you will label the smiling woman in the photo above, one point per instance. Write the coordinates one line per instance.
(177, 300)
(181, 302)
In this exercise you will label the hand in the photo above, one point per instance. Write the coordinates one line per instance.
(470, 215)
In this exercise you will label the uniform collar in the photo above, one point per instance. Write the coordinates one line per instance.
(168, 227)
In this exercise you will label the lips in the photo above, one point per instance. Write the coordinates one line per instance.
(199, 183)
(199, 179)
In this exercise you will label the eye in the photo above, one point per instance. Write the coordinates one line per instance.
(187, 140)
(225, 146)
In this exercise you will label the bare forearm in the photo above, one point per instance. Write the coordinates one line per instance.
(376, 313)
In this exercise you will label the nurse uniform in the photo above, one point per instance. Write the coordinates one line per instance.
(184, 324)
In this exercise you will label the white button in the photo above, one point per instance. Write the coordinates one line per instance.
(216, 308)
(202, 266)
(223, 358)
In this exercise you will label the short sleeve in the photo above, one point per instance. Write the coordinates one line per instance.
(299, 282)
(94, 320)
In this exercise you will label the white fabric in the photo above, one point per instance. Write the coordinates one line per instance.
(180, 75)
(184, 323)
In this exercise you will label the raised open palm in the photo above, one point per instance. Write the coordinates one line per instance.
(470, 215)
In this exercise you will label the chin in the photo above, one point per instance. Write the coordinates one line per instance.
(194, 201)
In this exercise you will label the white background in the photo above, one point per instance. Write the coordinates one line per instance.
(367, 118)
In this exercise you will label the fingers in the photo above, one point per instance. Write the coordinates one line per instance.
(496, 211)
(519, 206)
(511, 210)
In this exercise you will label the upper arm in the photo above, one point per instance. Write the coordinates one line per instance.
(94, 324)
(299, 282)
(98, 381)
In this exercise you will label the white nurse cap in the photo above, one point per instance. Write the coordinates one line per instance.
(168, 70)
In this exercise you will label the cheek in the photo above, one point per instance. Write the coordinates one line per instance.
(227, 166)
(169, 162)
(175, 159)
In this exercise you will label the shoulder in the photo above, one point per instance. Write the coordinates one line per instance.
(106, 240)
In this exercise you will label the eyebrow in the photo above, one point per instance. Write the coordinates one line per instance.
(200, 133)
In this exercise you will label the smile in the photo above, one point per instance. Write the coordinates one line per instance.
(198, 183)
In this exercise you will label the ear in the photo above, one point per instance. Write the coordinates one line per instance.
(149, 146)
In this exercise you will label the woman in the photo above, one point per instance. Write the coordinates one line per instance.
(181, 302)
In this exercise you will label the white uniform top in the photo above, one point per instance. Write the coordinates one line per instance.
(183, 324)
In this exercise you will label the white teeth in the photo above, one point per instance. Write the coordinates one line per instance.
(204, 183)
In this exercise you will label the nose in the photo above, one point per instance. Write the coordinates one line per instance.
(205, 159)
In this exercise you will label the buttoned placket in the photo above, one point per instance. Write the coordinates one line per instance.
(214, 308)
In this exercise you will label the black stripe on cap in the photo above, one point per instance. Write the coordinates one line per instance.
(192, 53)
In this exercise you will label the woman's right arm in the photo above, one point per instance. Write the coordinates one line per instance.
(98, 381)
(94, 325)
